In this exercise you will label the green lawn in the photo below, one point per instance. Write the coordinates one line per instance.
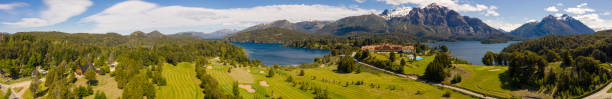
(106, 84)
(278, 87)
(405, 88)
(418, 67)
(181, 82)
(484, 79)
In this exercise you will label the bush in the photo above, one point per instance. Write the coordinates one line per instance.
(456, 79)
(100, 95)
(346, 64)
(289, 79)
(270, 73)
(84, 91)
(446, 94)
(301, 73)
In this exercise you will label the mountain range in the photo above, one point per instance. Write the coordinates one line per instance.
(219, 34)
(430, 23)
(551, 25)
(305, 26)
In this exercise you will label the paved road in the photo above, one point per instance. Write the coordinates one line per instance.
(414, 77)
(603, 93)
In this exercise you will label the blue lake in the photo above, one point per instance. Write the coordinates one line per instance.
(270, 54)
(472, 51)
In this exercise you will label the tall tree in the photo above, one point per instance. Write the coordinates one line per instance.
(437, 70)
(488, 58)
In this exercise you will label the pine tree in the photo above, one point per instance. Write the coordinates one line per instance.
(436, 71)
(90, 75)
(270, 73)
(235, 89)
(392, 57)
(301, 73)
(568, 60)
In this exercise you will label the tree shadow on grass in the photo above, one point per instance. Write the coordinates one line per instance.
(506, 81)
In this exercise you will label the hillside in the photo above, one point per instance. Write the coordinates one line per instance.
(551, 25)
(270, 35)
(304, 27)
(219, 34)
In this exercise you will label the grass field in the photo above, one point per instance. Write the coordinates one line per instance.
(418, 67)
(487, 80)
(484, 79)
(390, 86)
(181, 82)
(106, 84)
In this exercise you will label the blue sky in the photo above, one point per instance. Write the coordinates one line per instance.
(171, 16)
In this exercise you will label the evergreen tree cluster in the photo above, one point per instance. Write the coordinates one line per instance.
(139, 58)
(365, 56)
(438, 70)
(347, 65)
(577, 75)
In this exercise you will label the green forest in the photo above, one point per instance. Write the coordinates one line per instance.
(138, 59)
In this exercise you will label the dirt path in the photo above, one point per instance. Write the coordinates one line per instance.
(603, 93)
(414, 77)
(24, 84)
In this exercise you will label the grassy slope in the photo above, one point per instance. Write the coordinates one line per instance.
(105, 83)
(484, 79)
(404, 88)
(181, 82)
(418, 67)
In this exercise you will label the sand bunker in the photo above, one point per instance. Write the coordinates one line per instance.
(494, 69)
(208, 67)
(248, 88)
(262, 72)
(264, 83)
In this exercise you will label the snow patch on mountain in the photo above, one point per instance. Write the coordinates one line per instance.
(398, 12)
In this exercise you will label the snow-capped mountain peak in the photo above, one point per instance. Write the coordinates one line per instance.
(398, 12)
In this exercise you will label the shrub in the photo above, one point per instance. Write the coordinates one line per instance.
(456, 79)
(446, 94)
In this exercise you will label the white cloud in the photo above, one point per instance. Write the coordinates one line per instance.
(559, 4)
(558, 15)
(11, 6)
(595, 22)
(500, 24)
(57, 11)
(582, 5)
(360, 1)
(452, 4)
(552, 9)
(491, 11)
(532, 20)
(130, 16)
(579, 9)
(605, 13)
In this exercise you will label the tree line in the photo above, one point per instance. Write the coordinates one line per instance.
(580, 58)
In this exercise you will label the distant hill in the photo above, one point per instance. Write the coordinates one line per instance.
(364, 23)
(270, 35)
(305, 26)
(219, 34)
(551, 25)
